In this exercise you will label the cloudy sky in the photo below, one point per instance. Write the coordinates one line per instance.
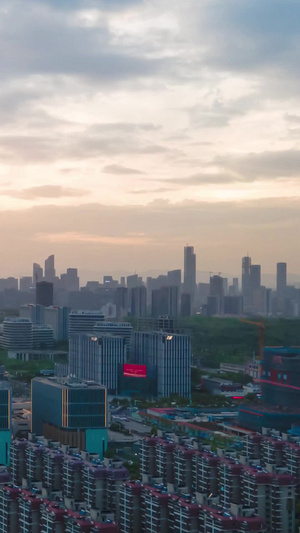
(129, 128)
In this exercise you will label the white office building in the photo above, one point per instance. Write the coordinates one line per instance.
(17, 334)
(84, 321)
(97, 358)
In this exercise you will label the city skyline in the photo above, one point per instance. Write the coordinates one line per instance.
(130, 128)
(267, 278)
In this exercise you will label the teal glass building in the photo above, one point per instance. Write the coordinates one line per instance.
(5, 422)
(71, 411)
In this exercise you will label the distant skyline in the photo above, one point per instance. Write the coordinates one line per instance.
(130, 128)
(267, 278)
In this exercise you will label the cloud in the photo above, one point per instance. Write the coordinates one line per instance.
(205, 89)
(264, 165)
(242, 35)
(118, 169)
(158, 190)
(117, 127)
(83, 238)
(90, 234)
(218, 114)
(203, 179)
(295, 119)
(45, 42)
(80, 145)
(45, 191)
(71, 5)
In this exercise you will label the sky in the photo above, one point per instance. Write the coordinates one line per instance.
(129, 128)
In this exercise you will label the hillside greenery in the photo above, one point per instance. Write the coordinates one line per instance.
(217, 340)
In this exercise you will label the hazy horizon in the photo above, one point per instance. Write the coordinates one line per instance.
(130, 128)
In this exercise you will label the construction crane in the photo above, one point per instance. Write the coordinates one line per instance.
(262, 328)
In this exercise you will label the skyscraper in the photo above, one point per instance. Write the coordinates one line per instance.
(97, 357)
(44, 293)
(25, 283)
(70, 280)
(138, 301)
(189, 271)
(281, 278)
(246, 275)
(49, 269)
(255, 277)
(37, 273)
(171, 355)
(165, 301)
(216, 293)
(174, 278)
(246, 283)
(121, 302)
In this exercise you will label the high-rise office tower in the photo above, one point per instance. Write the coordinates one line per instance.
(134, 281)
(121, 301)
(25, 283)
(97, 357)
(37, 274)
(49, 268)
(165, 302)
(246, 283)
(44, 293)
(216, 293)
(255, 277)
(58, 319)
(216, 286)
(281, 278)
(233, 305)
(70, 280)
(171, 354)
(185, 304)
(246, 273)
(235, 284)
(138, 301)
(189, 271)
(174, 278)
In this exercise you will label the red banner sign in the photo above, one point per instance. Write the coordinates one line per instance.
(135, 371)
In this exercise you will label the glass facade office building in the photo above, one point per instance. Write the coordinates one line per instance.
(171, 355)
(5, 422)
(71, 411)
